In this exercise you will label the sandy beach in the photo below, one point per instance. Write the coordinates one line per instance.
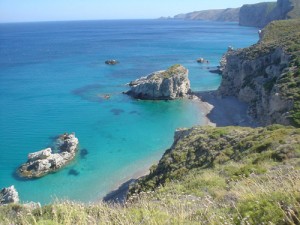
(225, 111)
(219, 111)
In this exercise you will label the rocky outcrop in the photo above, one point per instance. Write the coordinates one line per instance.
(111, 62)
(168, 84)
(229, 14)
(259, 15)
(45, 161)
(9, 195)
(266, 75)
(252, 81)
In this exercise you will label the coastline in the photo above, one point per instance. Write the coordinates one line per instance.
(225, 111)
(218, 112)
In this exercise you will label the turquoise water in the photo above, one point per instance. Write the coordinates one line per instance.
(53, 77)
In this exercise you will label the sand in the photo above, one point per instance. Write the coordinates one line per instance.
(219, 111)
(225, 111)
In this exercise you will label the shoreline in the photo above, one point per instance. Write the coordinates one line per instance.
(217, 112)
(225, 110)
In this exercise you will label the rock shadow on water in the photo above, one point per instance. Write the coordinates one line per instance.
(134, 112)
(117, 112)
(73, 172)
(83, 153)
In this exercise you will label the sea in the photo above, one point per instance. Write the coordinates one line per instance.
(53, 80)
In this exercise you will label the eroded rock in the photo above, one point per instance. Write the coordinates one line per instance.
(43, 162)
(167, 84)
(9, 195)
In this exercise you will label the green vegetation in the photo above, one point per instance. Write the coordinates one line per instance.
(171, 71)
(283, 34)
(210, 176)
(289, 39)
(228, 175)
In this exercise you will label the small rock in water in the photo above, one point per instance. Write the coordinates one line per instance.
(111, 62)
(45, 161)
(202, 60)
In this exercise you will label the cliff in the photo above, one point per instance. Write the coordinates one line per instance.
(167, 84)
(266, 75)
(230, 14)
(259, 15)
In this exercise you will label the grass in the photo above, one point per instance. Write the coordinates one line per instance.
(295, 12)
(226, 175)
(171, 71)
(208, 198)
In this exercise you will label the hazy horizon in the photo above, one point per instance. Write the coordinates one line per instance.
(76, 10)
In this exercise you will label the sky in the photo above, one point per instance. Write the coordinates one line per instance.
(62, 10)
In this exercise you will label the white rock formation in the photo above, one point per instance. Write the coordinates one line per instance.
(43, 162)
(167, 84)
(9, 195)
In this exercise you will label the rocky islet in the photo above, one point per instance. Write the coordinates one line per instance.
(167, 84)
(45, 161)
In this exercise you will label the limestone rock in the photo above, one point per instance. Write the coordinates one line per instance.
(43, 162)
(9, 195)
(43, 154)
(168, 84)
(253, 80)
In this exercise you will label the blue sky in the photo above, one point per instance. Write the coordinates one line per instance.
(56, 10)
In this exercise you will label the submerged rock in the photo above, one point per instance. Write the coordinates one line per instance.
(43, 162)
(9, 195)
(167, 84)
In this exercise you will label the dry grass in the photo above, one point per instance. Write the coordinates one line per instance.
(271, 198)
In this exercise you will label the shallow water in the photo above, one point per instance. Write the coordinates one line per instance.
(53, 79)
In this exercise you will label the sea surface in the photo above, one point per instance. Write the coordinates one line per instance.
(53, 79)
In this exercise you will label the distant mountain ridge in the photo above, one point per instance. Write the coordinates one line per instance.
(230, 14)
(256, 15)
(260, 14)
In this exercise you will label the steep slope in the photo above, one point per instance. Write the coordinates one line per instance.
(259, 15)
(267, 74)
(210, 175)
(212, 15)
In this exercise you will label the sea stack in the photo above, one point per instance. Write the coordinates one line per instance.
(45, 161)
(162, 85)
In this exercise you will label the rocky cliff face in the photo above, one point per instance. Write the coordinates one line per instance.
(169, 84)
(266, 75)
(212, 15)
(259, 15)
(251, 81)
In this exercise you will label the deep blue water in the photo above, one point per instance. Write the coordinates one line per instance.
(53, 77)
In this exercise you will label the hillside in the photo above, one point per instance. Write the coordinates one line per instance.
(212, 15)
(267, 74)
(259, 15)
(255, 15)
(228, 175)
